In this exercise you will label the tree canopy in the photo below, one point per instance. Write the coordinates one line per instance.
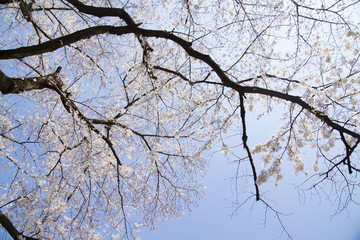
(109, 107)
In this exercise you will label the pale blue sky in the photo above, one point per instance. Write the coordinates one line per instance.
(309, 220)
(212, 219)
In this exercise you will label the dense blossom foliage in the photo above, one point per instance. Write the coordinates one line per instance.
(108, 107)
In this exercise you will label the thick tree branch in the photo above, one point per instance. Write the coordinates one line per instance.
(8, 1)
(103, 11)
(186, 45)
(11, 229)
(17, 85)
(57, 43)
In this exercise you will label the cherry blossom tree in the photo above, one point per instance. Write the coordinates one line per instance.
(109, 107)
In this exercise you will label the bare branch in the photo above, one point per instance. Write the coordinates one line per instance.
(17, 85)
(244, 140)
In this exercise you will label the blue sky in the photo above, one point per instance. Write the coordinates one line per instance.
(310, 216)
(212, 219)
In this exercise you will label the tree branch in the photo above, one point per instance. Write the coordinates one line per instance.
(186, 45)
(60, 42)
(11, 229)
(8, 1)
(244, 140)
(103, 11)
(17, 85)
